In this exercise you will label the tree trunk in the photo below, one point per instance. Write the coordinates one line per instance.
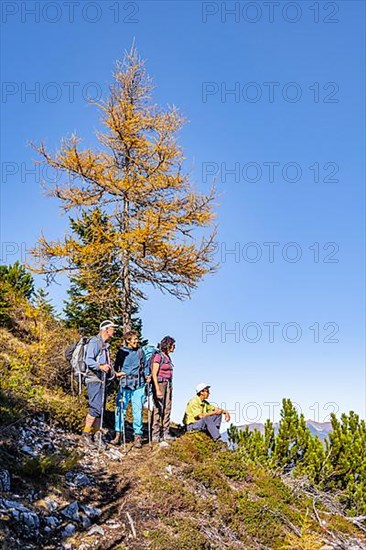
(126, 276)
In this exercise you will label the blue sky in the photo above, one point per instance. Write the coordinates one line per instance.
(275, 103)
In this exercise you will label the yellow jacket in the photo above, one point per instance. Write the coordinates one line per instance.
(195, 407)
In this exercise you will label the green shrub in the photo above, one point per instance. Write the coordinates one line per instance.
(44, 466)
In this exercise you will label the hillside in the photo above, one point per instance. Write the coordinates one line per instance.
(193, 495)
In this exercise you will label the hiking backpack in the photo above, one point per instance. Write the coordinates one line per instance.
(149, 352)
(75, 354)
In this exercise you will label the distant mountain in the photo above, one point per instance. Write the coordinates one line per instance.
(320, 429)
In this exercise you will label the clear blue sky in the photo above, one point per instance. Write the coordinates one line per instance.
(292, 135)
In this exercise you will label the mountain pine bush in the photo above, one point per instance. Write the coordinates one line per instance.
(339, 466)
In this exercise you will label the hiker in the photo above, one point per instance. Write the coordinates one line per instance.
(162, 376)
(134, 372)
(200, 415)
(98, 369)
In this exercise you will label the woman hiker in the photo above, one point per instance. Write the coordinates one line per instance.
(134, 371)
(162, 376)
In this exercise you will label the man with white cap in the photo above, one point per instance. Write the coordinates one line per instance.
(98, 365)
(200, 415)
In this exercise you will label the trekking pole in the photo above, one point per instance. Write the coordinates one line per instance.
(102, 414)
(148, 415)
(163, 409)
(122, 413)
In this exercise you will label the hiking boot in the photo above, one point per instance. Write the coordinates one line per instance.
(137, 441)
(88, 440)
(117, 440)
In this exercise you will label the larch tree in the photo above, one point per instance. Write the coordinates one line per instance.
(150, 207)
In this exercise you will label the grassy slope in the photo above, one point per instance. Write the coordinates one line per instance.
(196, 495)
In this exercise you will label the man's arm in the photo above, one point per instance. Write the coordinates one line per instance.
(212, 410)
(92, 351)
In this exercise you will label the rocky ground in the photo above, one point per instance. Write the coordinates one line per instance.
(44, 504)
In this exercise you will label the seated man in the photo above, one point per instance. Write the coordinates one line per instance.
(202, 416)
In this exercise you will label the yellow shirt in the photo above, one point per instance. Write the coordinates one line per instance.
(195, 407)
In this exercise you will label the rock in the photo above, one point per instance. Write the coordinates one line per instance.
(113, 524)
(4, 481)
(86, 522)
(31, 521)
(114, 454)
(83, 480)
(96, 530)
(71, 511)
(68, 531)
(52, 522)
(27, 450)
(32, 495)
(79, 479)
(51, 504)
(169, 469)
(91, 512)
(163, 444)
(13, 505)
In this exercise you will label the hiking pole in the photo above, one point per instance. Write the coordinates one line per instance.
(163, 409)
(102, 414)
(124, 434)
(148, 415)
(122, 413)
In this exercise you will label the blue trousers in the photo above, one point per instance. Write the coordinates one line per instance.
(137, 398)
(96, 398)
(211, 424)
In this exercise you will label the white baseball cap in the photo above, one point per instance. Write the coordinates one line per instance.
(201, 387)
(107, 324)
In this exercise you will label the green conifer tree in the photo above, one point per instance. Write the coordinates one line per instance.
(255, 445)
(82, 309)
(346, 461)
(18, 278)
(43, 303)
